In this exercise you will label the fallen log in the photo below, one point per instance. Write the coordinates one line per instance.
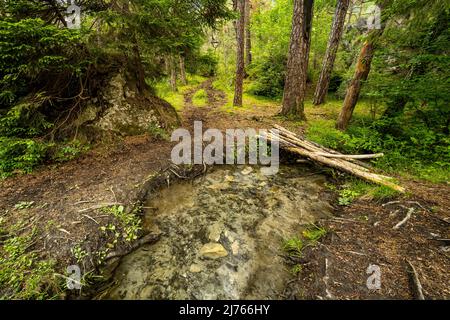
(325, 149)
(323, 156)
(348, 156)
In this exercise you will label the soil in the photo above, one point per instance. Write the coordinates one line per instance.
(359, 235)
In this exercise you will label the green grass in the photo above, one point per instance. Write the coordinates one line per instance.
(249, 101)
(23, 273)
(200, 98)
(176, 99)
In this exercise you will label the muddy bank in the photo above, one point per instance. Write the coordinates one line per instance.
(222, 235)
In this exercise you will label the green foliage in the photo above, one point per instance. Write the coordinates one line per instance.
(203, 64)
(67, 151)
(346, 197)
(296, 269)
(79, 253)
(200, 98)
(24, 205)
(157, 132)
(23, 274)
(269, 77)
(129, 223)
(20, 155)
(409, 146)
(30, 48)
(293, 246)
(314, 233)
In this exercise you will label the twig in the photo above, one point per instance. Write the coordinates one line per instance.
(408, 216)
(325, 279)
(90, 218)
(416, 281)
(82, 202)
(111, 189)
(99, 206)
(64, 230)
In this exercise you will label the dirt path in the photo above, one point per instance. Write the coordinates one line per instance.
(191, 113)
(66, 199)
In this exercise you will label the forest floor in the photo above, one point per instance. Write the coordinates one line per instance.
(63, 203)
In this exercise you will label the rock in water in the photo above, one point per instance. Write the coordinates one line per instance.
(213, 251)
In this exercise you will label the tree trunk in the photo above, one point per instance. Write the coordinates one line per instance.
(173, 74)
(182, 71)
(296, 74)
(140, 73)
(361, 73)
(332, 48)
(137, 61)
(248, 35)
(350, 11)
(240, 67)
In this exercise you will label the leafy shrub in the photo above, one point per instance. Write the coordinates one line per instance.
(335, 82)
(23, 120)
(347, 196)
(203, 64)
(68, 151)
(269, 77)
(409, 145)
(20, 155)
(158, 132)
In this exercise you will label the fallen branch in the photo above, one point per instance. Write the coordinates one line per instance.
(416, 282)
(408, 216)
(356, 156)
(149, 238)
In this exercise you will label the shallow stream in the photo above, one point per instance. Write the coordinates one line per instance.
(222, 235)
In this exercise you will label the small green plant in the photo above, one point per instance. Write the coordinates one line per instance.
(347, 196)
(314, 233)
(155, 131)
(296, 269)
(69, 151)
(79, 253)
(130, 224)
(293, 246)
(24, 205)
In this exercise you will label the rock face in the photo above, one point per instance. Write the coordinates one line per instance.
(120, 110)
(222, 243)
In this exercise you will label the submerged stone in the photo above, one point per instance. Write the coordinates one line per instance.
(213, 251)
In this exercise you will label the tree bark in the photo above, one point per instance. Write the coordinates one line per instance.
(332, 48)
(248, 35)
(183, 71)
(240, 67)
(362, 71)
(137, 61)
(173, 74)
(296, 74)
